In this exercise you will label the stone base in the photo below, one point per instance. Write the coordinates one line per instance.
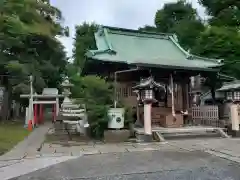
(143, 138)
(116, 136)
(235, 133)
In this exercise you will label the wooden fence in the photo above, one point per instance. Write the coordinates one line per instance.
(206, 115)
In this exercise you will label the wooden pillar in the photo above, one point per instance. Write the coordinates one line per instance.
(54, 113)
(30, 113)
(57, 106)
(184, 98)
(35, 114)
(26, 116)
(188, 95)
(40, 114)
(172, 94)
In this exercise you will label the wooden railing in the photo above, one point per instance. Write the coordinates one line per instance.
(206, 115)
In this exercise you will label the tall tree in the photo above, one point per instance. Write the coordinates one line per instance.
(223, 12)
(221, 43)
(172, 14)
(182, 19)
(84, 40)
(28, 44)
(221, 39)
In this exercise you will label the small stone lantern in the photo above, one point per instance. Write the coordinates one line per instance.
(66, 85)
(146, 89)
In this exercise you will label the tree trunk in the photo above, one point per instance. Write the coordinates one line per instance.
(5, 105)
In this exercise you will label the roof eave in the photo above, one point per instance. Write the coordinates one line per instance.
(226, 77)
(189, 55)
(104, 60)
(213, 69)
(92, 53)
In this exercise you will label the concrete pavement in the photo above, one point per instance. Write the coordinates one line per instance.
(25, 166)
(221, 147)
(215, 149)
(165, 164)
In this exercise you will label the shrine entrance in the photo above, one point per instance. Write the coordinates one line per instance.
(35, 110)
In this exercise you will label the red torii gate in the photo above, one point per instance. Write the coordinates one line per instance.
(35, 105)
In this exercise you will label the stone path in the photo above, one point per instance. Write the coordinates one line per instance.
(225, 148)
(97, 148)
(28, 146)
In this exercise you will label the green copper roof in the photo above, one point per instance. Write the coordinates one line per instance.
(234, 85)
(153, 49)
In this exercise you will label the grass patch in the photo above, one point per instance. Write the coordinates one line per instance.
(10, 134)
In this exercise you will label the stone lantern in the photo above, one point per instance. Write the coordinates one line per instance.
(66, 85)
(146, 89)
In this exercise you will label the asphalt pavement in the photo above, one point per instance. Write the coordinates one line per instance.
(152, 165)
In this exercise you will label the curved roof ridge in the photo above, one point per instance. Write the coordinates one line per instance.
(137, 32)
(207, 59)
(232, 82)
(174, 40)
(189, 55)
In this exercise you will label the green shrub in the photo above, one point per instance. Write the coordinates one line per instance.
(97, 95)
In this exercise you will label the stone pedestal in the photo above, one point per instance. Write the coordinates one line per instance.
(116, 136)
(141, 137)
(235, 134)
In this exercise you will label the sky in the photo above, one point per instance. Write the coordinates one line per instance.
(130, 14)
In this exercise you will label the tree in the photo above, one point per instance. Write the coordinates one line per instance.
(182, 19)
(221, 38)
(223, 12)
(221, 43)
(84, 40)
(28, 45)
(96, 94)
(148, 28)
(172, 14)
(27, 37)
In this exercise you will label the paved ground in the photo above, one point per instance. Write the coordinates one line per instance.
(168, 164)
(215, 158)
(96, 148)
(218, 146)
(28, 146)
(24, 166)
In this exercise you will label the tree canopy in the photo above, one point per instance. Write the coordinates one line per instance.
(29, 46)
(223, 12)
(28, 43)
(179, 18)
(84, 40)
(218, 37)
